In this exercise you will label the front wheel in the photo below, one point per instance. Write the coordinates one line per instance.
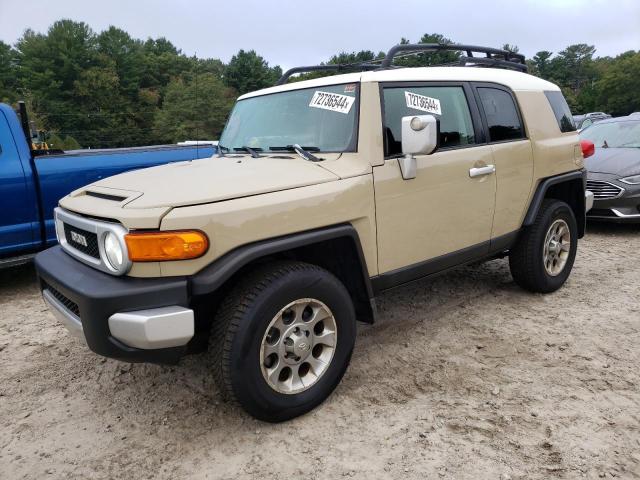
(283, 340)
(543, 257)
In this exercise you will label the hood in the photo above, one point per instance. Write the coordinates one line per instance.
(616, 161)
(214, 179)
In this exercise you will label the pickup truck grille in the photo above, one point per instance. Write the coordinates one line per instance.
(602, 190)
(82, 240)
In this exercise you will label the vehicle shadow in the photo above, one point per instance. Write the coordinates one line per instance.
(17, 278)
(612, 228)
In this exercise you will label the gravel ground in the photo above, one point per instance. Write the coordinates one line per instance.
(464, 376)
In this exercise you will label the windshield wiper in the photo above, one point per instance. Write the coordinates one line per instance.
(252, 151)
(221, 149)
(304, 152)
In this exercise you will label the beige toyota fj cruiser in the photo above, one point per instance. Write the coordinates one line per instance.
(324, 193)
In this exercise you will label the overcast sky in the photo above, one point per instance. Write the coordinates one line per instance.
(294, 32)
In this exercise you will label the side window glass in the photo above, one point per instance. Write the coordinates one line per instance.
(502, 115)
(448, 104)
(563, 113)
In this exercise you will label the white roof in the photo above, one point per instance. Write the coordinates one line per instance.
(510, 78)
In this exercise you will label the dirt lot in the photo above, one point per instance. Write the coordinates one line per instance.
(465, 376)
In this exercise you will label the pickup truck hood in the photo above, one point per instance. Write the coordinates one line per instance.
(214, 179)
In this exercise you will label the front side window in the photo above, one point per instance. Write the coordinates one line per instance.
(448, 104)
(502, 115)
(321, 119)
(563, 113)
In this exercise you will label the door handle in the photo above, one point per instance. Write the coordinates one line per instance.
(478, 172)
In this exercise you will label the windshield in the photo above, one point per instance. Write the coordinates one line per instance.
(613, 134)
(322, 119)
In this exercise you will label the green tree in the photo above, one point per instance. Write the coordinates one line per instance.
(541, 64)
(55, 142)
(195, 110)
(71, 143)
(362, 56)
(8, 73)
(50, 66)
(619, 88)
(573, 67)
(127, 58)
(429, 58)
(248, 71)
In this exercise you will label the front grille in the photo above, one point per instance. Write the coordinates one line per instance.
(82, 240)
(68, 303)
(603, 190)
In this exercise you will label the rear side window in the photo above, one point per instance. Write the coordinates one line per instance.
(562, 112)
(502, 115)
(448, 104)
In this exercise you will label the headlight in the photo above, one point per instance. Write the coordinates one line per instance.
(633, 180)
(113, 251)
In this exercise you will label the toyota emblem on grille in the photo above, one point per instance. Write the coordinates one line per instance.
(77, 238)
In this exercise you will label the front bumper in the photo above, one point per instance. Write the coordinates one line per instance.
(130, 319)
(625, 207)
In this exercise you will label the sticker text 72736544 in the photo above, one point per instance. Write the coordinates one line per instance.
(332, 101)
(420, 102)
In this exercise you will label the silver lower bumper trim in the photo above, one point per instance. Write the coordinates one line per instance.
(619, 214)
(588, 200)
(153, 328)
(68, 319)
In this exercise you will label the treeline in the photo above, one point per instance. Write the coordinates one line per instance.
(108, 89)
(111, 90)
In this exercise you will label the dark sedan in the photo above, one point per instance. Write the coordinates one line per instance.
(614, 169)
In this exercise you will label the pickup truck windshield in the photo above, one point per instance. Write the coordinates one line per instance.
(323, 119)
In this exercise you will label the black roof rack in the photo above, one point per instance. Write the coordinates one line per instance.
(345, 67)
(493, 57)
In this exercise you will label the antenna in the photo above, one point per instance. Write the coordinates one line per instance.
(197, 124)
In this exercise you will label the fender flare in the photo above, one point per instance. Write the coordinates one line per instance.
(214, 276)
(541, 192)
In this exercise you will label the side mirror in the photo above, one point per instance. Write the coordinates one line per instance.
(419, 137)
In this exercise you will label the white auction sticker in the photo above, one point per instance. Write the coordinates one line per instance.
(332, 101)
(420, 102)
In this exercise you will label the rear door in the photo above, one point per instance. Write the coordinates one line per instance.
(444, 215)
(512, 156)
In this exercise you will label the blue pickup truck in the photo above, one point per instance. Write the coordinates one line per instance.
(31, 184)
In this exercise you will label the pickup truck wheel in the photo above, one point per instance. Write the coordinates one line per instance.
(283, 339)
(542, 259)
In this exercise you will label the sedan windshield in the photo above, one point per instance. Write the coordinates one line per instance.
(613, 134)
(322, 119)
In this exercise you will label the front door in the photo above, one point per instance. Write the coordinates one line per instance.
(444, 215)
(18, 216)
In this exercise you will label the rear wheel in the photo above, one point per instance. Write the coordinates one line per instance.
(283, 340)
(542, 259)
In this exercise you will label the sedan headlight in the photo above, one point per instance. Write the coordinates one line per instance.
(633, 180)
(113, 250)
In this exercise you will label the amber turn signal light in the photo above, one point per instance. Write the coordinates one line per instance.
(164, 246)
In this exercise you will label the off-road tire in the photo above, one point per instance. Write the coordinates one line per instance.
(240, 325)
(526, 257)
